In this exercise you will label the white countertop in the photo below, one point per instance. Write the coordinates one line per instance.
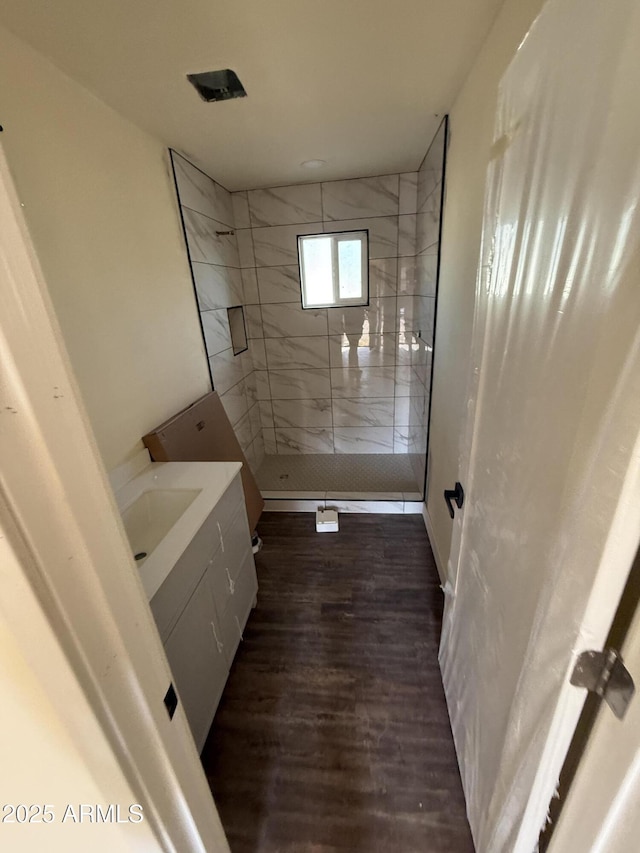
(211, 478)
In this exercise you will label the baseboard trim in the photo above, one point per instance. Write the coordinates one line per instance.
(432, 539)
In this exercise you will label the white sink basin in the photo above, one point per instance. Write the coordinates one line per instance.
(163, 505)
(152, 515)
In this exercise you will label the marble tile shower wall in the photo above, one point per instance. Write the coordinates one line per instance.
(336, 380)
(206, 209)
(428, 206)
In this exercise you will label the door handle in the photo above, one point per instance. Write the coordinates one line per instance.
(456, 495)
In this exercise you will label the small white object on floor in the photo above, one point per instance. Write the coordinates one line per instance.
(326, 520)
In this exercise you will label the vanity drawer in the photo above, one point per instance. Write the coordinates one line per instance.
(226, 565)
(233, 621)
(170, 600)
(228, 505)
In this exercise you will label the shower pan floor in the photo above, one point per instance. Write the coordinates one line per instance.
(377, 475)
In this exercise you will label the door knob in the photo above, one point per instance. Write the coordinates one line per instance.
(456, 495)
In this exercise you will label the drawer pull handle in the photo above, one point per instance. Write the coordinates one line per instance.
(232, 586)
(220, 535)
(239, 628)
(218, 643)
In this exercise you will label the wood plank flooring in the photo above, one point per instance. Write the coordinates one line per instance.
(332, 733)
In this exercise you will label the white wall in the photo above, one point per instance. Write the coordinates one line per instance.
(471, 128)
(100, 205)
(70, 595)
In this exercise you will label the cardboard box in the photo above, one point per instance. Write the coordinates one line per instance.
(203, 433)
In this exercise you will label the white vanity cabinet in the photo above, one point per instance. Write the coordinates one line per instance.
(199, 667)
(202, 607)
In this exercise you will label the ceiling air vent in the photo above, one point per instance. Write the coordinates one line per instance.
(217, 85)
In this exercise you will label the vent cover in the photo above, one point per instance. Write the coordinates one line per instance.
(217, 85)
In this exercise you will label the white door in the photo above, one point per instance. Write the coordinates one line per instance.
(602, 811)
(550, 464)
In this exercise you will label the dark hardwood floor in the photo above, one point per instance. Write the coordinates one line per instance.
(332, 733)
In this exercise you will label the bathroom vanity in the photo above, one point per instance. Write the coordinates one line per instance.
(198, 572)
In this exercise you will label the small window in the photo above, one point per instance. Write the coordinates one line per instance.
(334, 269)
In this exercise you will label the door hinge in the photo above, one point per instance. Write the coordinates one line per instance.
(605, 674)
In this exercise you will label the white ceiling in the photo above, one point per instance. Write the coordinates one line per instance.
(358, 83)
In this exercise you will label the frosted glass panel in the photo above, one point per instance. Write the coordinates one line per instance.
(350, 269)
(318, 272)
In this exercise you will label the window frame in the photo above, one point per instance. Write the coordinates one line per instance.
(337, 238)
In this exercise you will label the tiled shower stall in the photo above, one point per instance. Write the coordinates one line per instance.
(331, 402)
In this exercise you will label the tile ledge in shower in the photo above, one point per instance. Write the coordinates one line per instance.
(382, 505)
(277, 494)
